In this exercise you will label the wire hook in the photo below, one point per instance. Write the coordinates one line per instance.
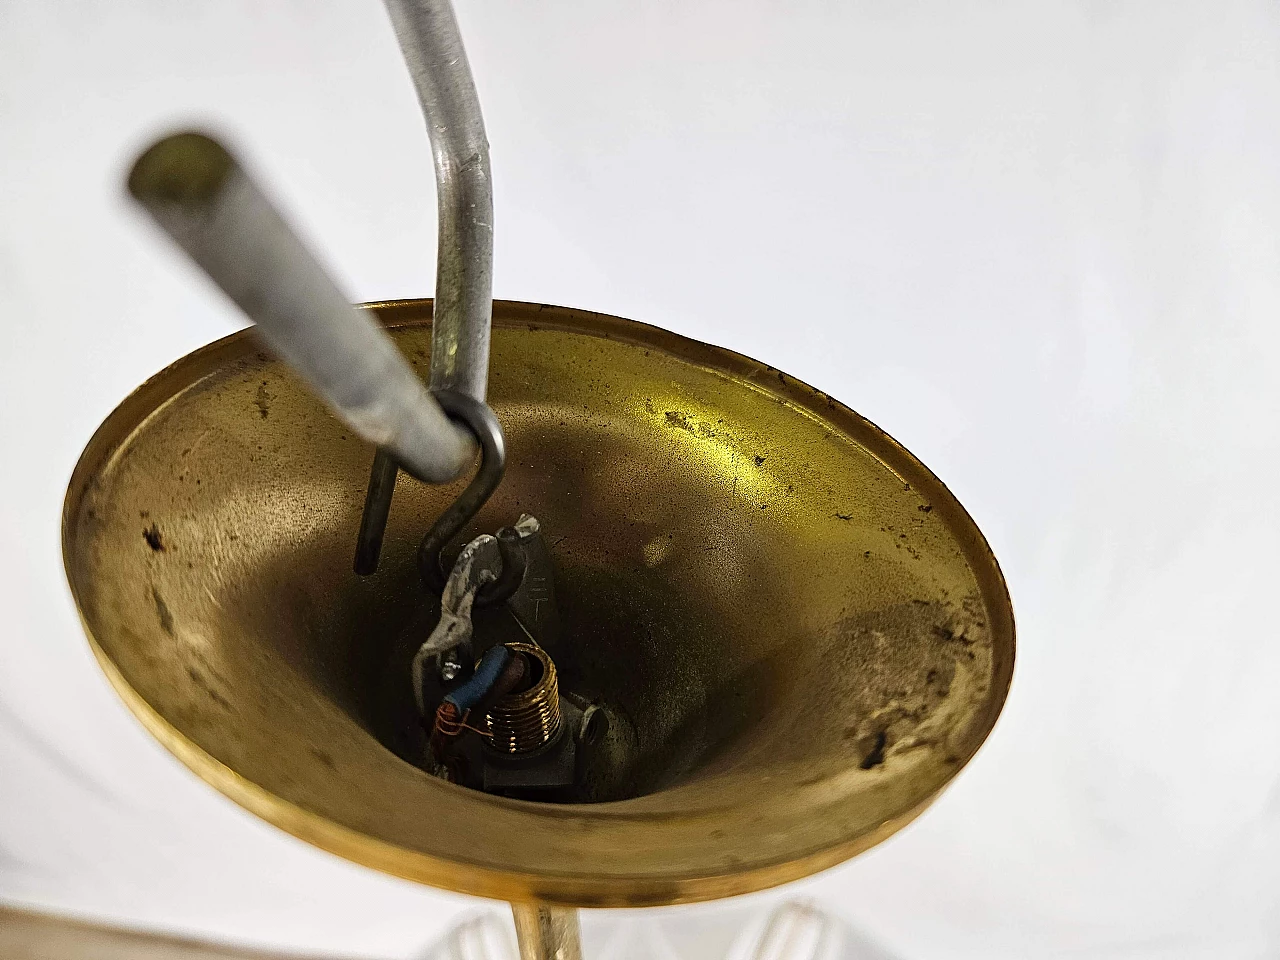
(493, 459)
(483, 424)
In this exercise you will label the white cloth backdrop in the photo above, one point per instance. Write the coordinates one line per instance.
(1039, 243)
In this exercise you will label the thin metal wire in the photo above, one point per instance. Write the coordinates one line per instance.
(450, 724)
(377, 507)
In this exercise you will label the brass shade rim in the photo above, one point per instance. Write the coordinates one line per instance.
(577, 889)
(562, 889)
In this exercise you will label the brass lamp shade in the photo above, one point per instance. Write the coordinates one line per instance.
(807, 633)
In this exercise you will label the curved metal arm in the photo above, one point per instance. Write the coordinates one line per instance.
(463, 311)
(197, 191)
(432, 47)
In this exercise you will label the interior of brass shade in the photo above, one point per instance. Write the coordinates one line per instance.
(806, 632)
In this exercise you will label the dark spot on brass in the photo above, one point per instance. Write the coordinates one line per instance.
(324, 757)
(263, 400)
(163, 612)
(153, 538)
(198, 679)
(678, 419)
(875, 756)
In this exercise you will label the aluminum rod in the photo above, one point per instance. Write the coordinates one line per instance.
(432, 47)
(199, 194)
(427, 31)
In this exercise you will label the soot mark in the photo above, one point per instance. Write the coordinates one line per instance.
(153, 538)
(163, 612)
(680, 420)
(199, 680)
(324, 757)
(875, 756)
(263, 400)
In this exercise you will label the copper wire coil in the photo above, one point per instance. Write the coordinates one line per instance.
(529, 719)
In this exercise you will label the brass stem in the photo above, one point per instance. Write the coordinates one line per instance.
(547, 933)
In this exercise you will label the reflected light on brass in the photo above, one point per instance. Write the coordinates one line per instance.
(807, 633)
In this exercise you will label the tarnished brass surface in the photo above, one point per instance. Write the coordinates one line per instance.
(806, 633)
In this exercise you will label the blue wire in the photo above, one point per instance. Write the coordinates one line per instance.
(481, 682)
